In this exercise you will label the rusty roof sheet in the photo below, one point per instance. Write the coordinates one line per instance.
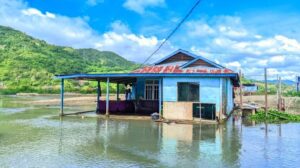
(179, 69)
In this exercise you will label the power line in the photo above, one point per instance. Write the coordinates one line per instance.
(171, 34)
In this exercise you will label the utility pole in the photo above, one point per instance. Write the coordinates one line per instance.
(266, 93)
(280, 101)
(277, 92)
(241, 90)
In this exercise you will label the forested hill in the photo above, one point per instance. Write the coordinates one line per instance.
(29, 65)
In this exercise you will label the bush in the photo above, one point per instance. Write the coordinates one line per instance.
(274, 116)
(292, 94)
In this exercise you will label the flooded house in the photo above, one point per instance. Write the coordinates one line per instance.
(180, 86)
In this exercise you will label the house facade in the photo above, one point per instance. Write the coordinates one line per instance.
(203, 84)
(181, 86)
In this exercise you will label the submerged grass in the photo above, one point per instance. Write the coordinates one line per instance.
(275, 116)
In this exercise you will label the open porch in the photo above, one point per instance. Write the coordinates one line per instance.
(132, 104)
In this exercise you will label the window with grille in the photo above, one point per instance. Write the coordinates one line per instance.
(151, 90)
(188, 91)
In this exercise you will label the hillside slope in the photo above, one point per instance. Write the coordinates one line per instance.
(29, 65)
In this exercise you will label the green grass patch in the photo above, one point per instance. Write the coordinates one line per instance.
(292, 93)
(275, 116)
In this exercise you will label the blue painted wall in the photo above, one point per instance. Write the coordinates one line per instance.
(230, 101)
(140, 86)
(210, 91)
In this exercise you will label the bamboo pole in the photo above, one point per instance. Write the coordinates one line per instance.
(277, 92)
(241, 89)
(266, 92)
(280, 99)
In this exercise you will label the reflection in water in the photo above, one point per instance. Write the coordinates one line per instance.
(60, 134)
(30, 138)
(151, 143)
(147, 143)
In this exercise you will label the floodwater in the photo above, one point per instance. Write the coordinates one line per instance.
(31, 137)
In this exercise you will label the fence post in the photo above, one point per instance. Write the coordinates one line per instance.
(266, 93)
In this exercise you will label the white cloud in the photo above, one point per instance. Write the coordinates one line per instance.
(234, 65)
(35, 12)
(262, 62)
(119, 27)
(232, 32)
(139, 6)
(277, 59)
(223, 39)
(222, 26)
(229, 41)
(131, 46)
(199, 29)
(94, 2)
(75, 32)
(53, 28)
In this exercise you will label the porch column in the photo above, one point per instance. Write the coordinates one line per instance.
(118, 90)
(62, 97)
(160, 96)
(107, 97)
(98, 97)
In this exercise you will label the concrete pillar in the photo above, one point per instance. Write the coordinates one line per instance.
(62, 97)
(98, 97)
(118, 91)
(160, 96)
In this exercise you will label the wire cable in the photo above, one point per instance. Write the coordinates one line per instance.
(171, 34)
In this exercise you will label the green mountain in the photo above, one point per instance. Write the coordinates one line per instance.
(29, 65)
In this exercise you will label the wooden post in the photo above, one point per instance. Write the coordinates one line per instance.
(107, 98)
(159, 96)
(266, 92)
(62, 97)
(98, 96)
(118, 92)
(241, 90)
(277, 93)
(280, 99)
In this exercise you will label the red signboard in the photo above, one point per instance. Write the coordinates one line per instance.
(177, 69)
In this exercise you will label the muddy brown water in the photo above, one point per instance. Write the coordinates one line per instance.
(31, 136)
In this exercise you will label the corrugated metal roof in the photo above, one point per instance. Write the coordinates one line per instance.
(134, 75)
(196, 57)
(126, 77)
(179, 69)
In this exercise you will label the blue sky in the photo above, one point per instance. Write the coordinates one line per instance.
(239, 34)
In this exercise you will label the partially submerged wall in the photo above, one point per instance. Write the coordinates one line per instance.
(210, 92)
(230, 100)
(178, 110)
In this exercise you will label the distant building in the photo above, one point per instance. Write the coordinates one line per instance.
(250, 88)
